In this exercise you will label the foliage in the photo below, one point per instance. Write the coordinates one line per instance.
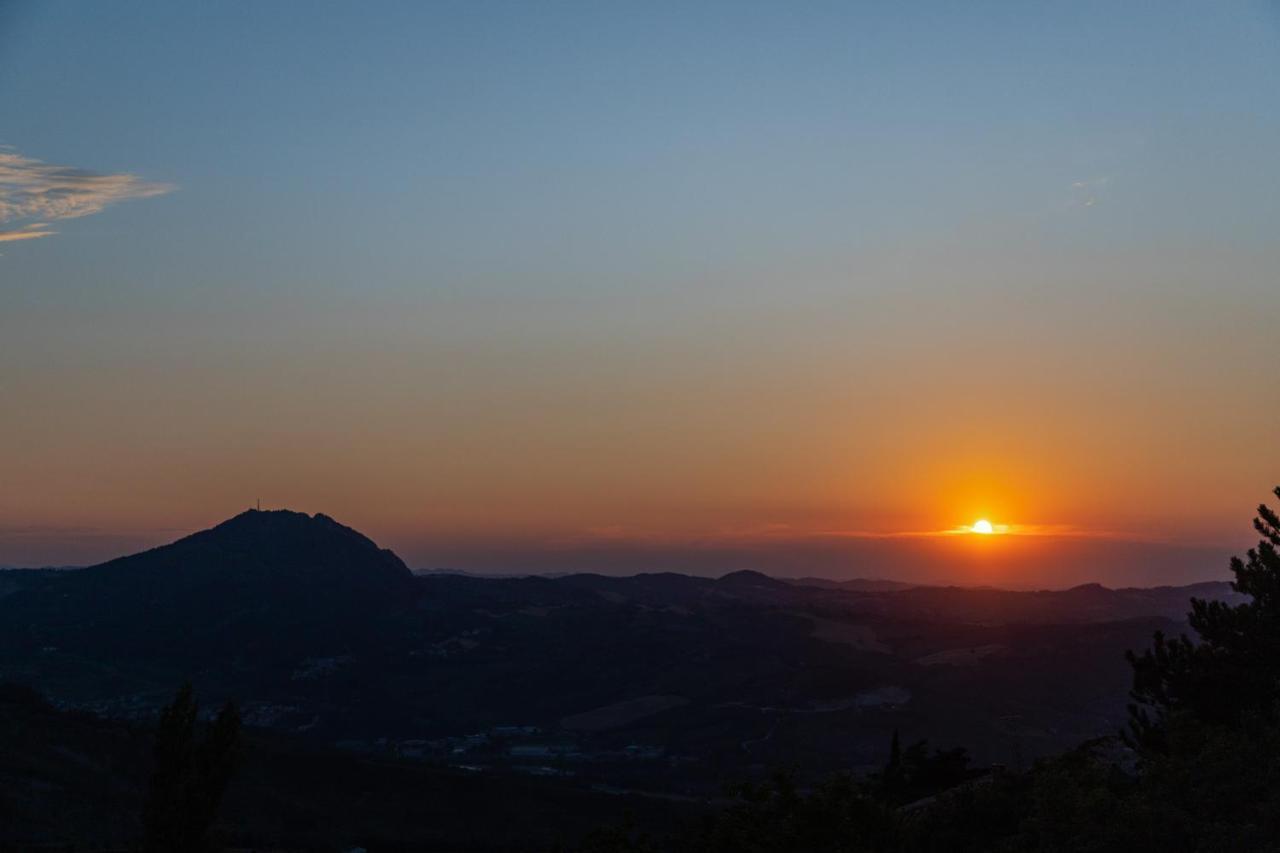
(913, 773)
(190, 776)
(1231, 677)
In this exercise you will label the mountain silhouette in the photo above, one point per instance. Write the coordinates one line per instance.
(320, 631)
(266, 583)
(267, 548)
(750, 578)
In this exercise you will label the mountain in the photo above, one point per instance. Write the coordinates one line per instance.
(261, 583)
(660, 682)
(748, 579)
(260, 552)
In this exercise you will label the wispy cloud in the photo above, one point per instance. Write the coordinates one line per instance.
(34, 194)
(26, 232)
(1087, 193)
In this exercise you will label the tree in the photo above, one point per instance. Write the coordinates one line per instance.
(190, 776)
(891, 780)
(913, 773)
(775, 816)
(1231, 677)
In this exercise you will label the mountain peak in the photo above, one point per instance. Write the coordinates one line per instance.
(749, 576)
(287, 522)
(277, 545)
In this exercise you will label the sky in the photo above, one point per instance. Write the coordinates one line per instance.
(799, 287)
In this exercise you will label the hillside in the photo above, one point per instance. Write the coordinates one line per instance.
(70, 778)
(686, 681)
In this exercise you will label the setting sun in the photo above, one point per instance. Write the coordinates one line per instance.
(982, 526)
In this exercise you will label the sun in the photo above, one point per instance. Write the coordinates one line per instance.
(982, 526)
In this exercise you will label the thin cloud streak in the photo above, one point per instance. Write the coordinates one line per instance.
(44, 192)
(28, 232)
(766, 534)
(1061, 531)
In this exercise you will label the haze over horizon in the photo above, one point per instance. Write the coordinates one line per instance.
(572, 288)
(1061, 561)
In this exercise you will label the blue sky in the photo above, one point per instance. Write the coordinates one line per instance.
(524, 132)
(580, 244)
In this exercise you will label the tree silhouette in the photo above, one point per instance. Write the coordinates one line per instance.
(1232, 676)
(190, 776)
(891, 777)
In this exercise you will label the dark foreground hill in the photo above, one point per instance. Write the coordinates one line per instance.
(68, 778)
(663, 682)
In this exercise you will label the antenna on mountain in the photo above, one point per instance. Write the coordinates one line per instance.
(259, 504)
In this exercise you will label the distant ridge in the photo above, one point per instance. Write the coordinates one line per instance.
(288, 586)
(320, 631)
(7, 568)
(854, 584)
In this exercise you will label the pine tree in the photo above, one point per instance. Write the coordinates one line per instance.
(891, 779)
(1231, 677)
(190, 775)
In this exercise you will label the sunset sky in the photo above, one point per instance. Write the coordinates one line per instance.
(800, 287)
